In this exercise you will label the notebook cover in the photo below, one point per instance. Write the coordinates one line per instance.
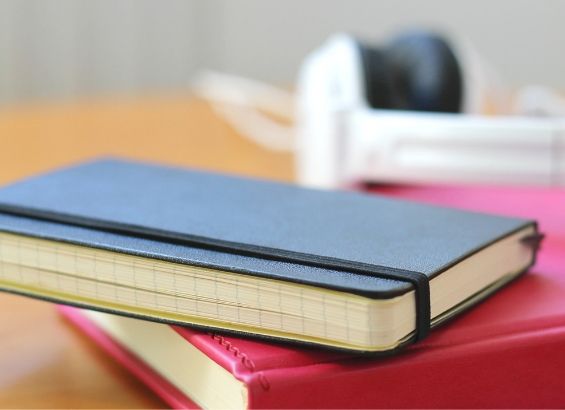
(260, 219)
(507, 352)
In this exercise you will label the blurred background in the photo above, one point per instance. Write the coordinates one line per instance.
(66, 49)
(81, 79)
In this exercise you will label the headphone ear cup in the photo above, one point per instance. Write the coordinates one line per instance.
(378, 81)
(424, 73)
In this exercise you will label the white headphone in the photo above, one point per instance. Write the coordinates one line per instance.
(394, 115)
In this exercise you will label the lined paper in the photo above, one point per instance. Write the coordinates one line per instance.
(149, 284)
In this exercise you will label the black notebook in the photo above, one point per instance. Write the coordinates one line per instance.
(341, 269)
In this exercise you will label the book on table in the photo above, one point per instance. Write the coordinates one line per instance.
(509, 352)
(341, 269)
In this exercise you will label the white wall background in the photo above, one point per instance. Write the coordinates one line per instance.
(61, 49)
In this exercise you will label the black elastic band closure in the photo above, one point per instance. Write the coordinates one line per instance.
(534, 240)
(419, 280)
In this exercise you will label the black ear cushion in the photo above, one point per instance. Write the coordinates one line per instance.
(417, 71)
(378, 81)
(425, 73)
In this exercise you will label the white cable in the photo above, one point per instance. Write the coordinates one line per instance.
(539, 101)
(243, 102)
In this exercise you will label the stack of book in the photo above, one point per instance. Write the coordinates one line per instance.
(224, 292)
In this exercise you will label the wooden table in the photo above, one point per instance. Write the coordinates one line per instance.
(44, 362)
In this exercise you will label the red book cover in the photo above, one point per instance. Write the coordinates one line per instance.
(509, 351)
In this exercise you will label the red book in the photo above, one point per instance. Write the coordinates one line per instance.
(507, 352)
